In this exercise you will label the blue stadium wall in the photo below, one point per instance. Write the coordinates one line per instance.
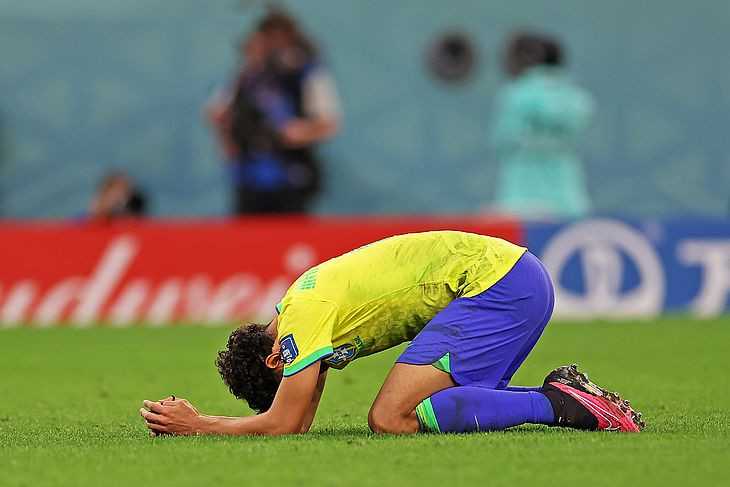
(87, 85)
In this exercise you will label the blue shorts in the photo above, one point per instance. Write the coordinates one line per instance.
(482, 340)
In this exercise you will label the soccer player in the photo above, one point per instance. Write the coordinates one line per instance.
(472, 306)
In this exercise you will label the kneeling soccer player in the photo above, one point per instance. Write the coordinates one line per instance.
(473, 306)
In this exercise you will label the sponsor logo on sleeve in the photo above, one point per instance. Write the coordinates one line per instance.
(289, 350)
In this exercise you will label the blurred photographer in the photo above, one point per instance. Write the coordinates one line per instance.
(281, 105)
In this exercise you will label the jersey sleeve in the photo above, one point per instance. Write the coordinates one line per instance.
(305, 332)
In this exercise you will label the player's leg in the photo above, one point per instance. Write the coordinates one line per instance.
(474, 341)
(422, 397)
(536, 268)
(566, 397)
(430, 391)
(480, 342)
(394, 409)
(530, 343)
(510, 318)
(466, 409)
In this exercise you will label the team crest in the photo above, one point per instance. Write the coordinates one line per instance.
(289, 350)
(343, 353)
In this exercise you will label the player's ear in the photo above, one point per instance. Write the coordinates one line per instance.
(273, 361)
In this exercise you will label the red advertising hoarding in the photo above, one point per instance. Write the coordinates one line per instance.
(164, 272)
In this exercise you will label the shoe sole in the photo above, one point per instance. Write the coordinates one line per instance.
(572, 377)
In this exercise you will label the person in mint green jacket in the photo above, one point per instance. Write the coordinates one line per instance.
(540, 117)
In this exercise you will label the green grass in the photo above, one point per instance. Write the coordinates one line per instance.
(69, 401)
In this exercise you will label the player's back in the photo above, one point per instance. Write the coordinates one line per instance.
(462, 263)
(384, 293)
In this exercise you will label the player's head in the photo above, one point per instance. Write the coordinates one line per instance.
(528, 49)
(251, 367)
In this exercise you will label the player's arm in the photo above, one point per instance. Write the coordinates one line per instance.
(287, 415)
(312, 409)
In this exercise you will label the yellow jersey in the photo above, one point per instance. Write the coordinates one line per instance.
(383, 294)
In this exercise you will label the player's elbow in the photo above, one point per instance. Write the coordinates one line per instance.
(286, 426)
(274, 424)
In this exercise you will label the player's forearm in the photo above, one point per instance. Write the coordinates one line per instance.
(248, 425)
(312, 409)
(309, 417)
(285, 416)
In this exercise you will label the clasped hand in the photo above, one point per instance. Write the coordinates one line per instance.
(171, 415)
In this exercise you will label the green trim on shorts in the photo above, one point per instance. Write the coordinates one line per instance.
(443, 364)
(426, 417)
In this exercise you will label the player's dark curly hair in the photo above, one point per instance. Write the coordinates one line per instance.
(243, 370)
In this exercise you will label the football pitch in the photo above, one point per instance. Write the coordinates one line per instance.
(69, 401)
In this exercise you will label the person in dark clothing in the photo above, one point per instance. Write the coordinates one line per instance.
(116, 197)
(280, 106)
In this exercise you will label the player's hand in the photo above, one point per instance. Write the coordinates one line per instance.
(172, 416)
(154, 433)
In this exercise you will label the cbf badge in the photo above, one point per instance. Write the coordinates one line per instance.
(289, 350)
(343, 353)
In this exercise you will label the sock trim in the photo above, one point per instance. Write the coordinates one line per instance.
(427, 417)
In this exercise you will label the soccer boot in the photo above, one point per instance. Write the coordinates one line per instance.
(581, 404)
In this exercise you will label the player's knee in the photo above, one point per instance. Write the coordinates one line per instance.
(384, 421)
(378, 421)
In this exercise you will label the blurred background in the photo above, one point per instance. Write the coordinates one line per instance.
(530, 117)
(87, 87)
(166, 163)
